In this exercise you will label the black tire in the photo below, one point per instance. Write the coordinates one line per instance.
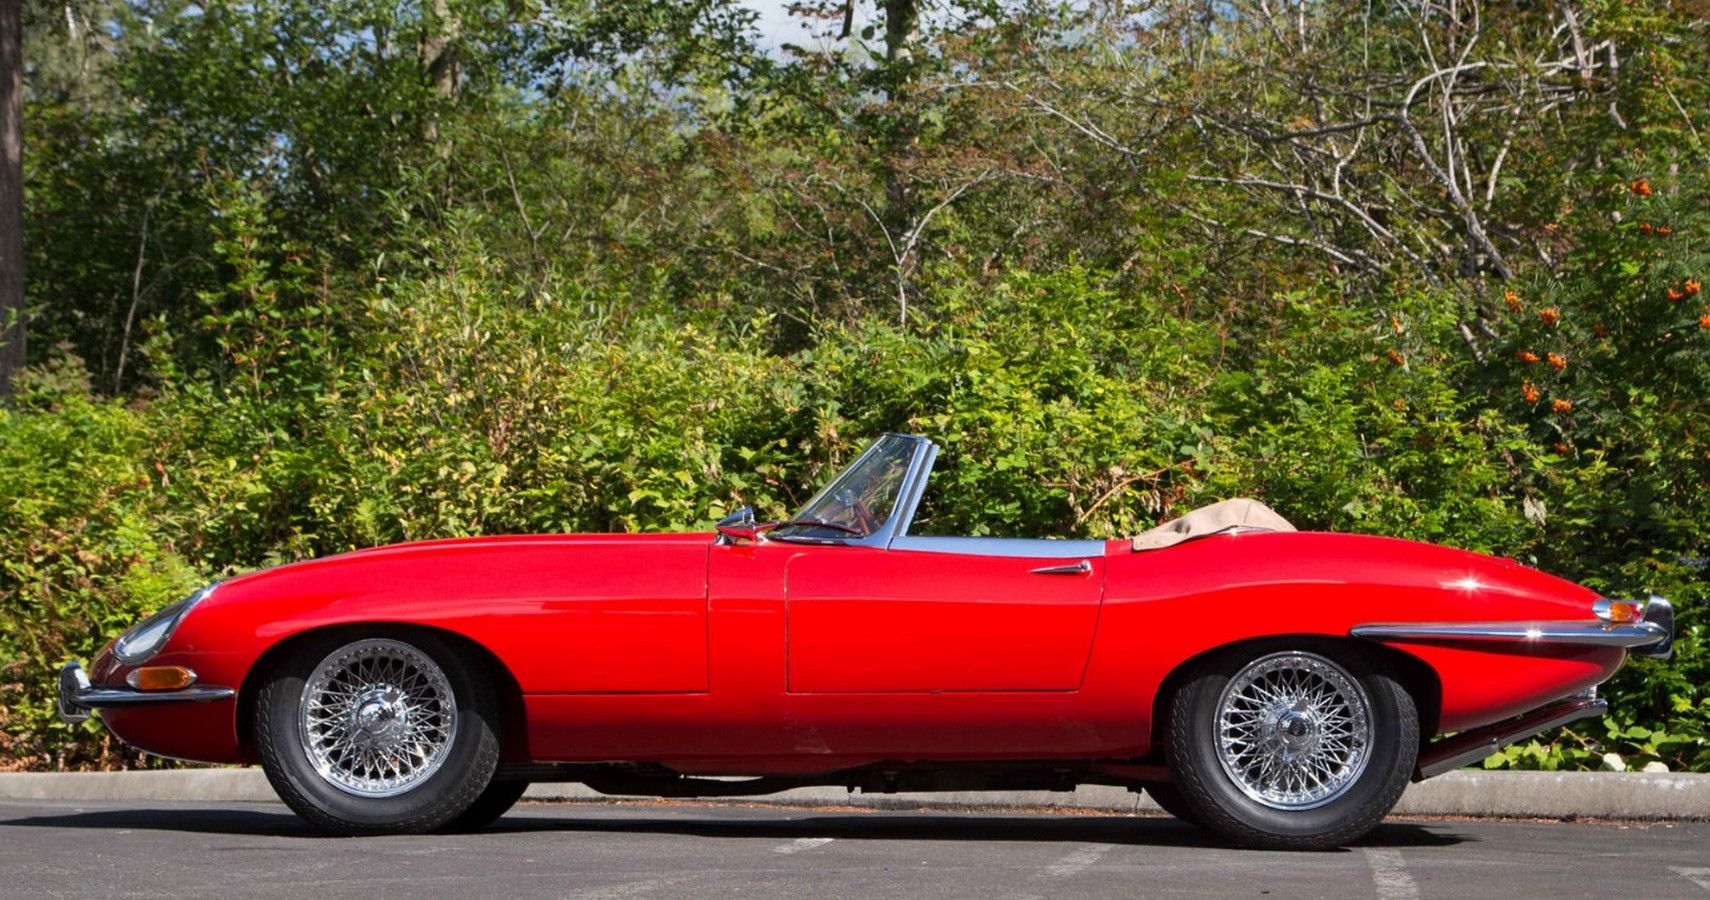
(1221, 804)
(501, 794)
(1171, 800)
(452, 789)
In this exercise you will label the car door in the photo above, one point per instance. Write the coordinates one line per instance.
(866, 619)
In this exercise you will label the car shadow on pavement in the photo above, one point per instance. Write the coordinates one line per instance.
(785, 825)
(1160, 831)
(198, 820)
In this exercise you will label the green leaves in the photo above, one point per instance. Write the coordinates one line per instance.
(632, 271)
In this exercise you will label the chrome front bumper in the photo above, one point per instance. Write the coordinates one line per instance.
(77, 697)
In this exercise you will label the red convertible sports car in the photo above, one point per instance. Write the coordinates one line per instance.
(1277, 687)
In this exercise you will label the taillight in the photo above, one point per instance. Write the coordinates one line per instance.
(1619, 611)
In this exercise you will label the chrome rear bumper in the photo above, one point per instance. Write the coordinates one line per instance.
(77, 697)
(1653, 636)
(1470, 747)
(1660, 613)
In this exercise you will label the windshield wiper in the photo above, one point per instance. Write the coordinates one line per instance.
(811, 522)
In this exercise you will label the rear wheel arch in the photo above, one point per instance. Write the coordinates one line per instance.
(514, 740)
(1416, 675)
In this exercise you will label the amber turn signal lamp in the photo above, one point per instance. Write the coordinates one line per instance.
(160, 678)
(1620, 611)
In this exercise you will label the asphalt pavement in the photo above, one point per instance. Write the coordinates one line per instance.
(637, 850)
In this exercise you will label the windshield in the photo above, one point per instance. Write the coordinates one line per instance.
(860, 500)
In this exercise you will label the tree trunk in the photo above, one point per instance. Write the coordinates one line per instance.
(11, 194)
(439, 53)
(440, 59)
(902, 22)
(902, 27)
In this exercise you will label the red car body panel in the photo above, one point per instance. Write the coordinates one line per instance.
(865, 619)
(781, 657)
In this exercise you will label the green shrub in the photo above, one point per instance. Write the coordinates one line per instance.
(86, 547)
(450, 401)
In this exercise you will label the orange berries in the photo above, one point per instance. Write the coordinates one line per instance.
(1704, 321)
(1691, 286)
(1395, 324)
(1646, 228)
(1549, 315)
(1561, 406)
(1396, 357)
(1675, 296)
(1562, 448)
(1527, 357)
(1513, 301)
(1529, 392)
(1642, 187)
(1558, 361)
(1664, 230)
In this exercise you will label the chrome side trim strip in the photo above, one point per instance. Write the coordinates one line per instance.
(1470, 747)
(1020, 548)
(1638, 634)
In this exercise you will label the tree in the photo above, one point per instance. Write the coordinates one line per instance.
(1410, 142)
(11, 193)
(893, 100)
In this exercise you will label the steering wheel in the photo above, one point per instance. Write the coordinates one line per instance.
(864, 517)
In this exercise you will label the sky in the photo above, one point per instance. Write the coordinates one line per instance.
(778, 27)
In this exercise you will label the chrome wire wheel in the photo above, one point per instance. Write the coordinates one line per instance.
(377, 718)
(1294, 730)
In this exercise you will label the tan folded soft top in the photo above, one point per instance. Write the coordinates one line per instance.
(1239, 514)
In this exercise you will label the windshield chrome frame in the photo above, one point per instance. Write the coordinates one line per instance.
(909, 492)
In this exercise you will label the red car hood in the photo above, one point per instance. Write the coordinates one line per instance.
(499, 542)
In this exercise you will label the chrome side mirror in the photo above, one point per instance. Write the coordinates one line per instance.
(739, 526)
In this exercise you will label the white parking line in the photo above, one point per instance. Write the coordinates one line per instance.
(1077, 861)
(1389, 873)
(800, 844)
(629, 889)
(1700, 877)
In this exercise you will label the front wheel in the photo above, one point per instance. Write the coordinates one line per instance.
(1170, 800)
(1292, 747)
(381, 734)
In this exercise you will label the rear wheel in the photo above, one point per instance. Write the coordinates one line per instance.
(1291, 746)
(379, 734)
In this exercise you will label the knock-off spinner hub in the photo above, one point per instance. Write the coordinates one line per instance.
(1296, 730)
(380, 715)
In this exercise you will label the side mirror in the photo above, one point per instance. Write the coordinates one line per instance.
(739, 526)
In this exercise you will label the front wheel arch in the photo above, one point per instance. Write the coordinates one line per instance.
(1415, 674)
(514, 741)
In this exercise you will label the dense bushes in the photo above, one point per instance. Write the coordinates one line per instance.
(297, 285)
(449, 405)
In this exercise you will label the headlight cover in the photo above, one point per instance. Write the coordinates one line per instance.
(145, 638)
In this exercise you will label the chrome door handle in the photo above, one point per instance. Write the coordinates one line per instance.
(1080, 568)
